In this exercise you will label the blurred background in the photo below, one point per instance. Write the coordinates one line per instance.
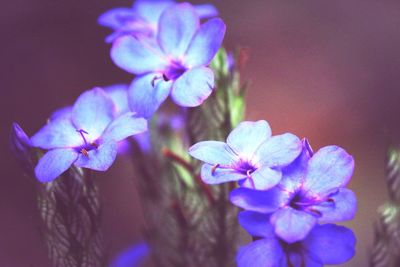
(325, 70)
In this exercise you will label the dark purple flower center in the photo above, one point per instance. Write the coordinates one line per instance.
(246, 168)
(84, 149)
(175, 70)
(299, 202)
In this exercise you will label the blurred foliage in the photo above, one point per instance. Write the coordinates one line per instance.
(386, 248)
(189, 223)
(70, 209)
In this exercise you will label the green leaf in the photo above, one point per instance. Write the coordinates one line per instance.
(220, 64)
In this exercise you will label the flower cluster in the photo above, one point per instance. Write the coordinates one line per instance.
(169, 49)
(142, 18)
(325, 244)
(286, 191)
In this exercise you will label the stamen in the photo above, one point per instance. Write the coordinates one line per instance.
(253, 185)
(81, 132)
(94, 144)
(214, 168)
(249, 173)
(153, 81)
(155, 78)
(316, 212)
(302, 203)
(85, 152)
(166, 79)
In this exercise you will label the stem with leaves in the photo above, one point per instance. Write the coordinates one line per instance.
(385, 251)
(188, 223)
(69, 207)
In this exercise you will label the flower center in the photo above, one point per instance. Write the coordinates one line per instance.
(297, 203)
(175, 70)
(246, 168)
(84, 150)
(300, 203)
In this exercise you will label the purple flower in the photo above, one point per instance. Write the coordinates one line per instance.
(119, 96)
(174, 63)
(61, 113)
(169, 122)
(311, 190)
(325, 244)
(21, 146)
(132, 257)
(20, 142)
(87, 136)
(250, 156)
(142, 19)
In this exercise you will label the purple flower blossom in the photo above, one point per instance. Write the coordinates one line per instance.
(325, 244)
(61, 113)
(142, 19)
(85, 135)
(21, 146)
(119, 96)
(174, 63)
(132, 257)
(19, 140)
(311, 190)
(250, 156)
